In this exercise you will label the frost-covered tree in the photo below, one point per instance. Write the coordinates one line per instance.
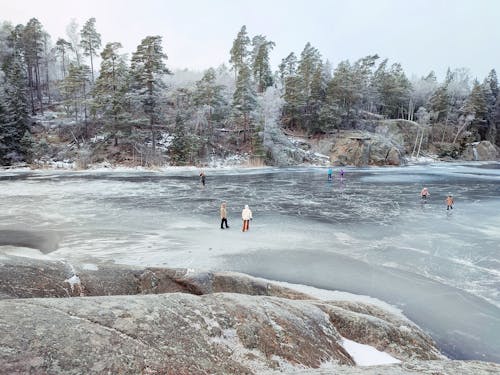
(423, 89)
(74, 39)
(90, 42)
(14, 108)
(147, 71)
(111, 88)
(208, 93)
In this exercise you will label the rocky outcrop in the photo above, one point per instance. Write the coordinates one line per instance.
(180, 321)
(366, 149)
(31, 278)
(480, 151)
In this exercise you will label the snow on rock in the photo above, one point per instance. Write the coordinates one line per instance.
(73, 281)
(366, 355)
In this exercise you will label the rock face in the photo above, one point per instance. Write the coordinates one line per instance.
(480, 151)
(382, 142)
(178, 321)
(366, 149)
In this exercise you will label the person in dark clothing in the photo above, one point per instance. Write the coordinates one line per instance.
(202, 177)
(223, 215)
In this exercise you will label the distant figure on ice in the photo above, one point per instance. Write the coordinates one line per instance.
(449, 202)
(330, 172)
(341, 173)
(202, 177)
(246, 216)
(223, 215)
(424, 193)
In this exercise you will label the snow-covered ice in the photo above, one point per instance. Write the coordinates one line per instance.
(368, 234)
(366, 355)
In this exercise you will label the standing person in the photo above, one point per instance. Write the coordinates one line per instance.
(341, 174)
(246, 216)
(223, 215)
(202, 177)
(449, 202)
(330, 172)
(424, 193)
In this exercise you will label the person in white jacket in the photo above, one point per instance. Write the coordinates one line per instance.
(246, 216)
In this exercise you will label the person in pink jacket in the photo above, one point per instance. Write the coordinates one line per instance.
(246, 216)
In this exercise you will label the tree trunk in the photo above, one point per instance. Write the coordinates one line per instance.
(91, 66)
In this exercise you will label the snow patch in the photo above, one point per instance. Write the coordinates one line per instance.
(366, 355)
(89, 267)
(72, 281)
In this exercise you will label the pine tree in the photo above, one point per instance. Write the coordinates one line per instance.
(62, 48)
(32, 40)
(392, 89)
(147, 70)
(208, 98)
(74, 89)
(492, 82)
(260, 62)
(291, 91)
(244, 101)
(310, 59)
(288, 67)
(239, 51)
(90, 42)
(490, 91)
(475, 112)
(439, 103)
(111, 87)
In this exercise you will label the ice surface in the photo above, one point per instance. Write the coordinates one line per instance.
(368, 234)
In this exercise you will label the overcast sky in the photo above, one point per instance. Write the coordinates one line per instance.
(423, 35)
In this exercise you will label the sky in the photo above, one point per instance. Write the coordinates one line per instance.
(422, 35)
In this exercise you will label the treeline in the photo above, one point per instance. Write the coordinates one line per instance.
(133, 105)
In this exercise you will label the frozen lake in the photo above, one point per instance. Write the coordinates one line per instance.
(369, 234)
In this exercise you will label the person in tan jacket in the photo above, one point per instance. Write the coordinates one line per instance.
(223, 215)
(449, 202)
(246, 216)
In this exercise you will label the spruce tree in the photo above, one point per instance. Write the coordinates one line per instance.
(14, 110)
(180, 148)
